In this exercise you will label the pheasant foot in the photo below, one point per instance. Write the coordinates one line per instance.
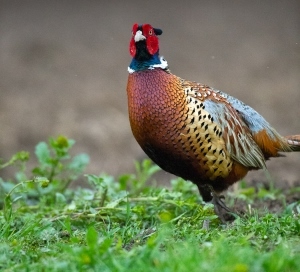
(220, 208)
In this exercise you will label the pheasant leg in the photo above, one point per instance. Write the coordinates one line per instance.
(209, 194)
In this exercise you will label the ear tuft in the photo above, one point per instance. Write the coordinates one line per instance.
(157, 31)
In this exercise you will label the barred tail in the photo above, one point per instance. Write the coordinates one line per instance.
(294, 142)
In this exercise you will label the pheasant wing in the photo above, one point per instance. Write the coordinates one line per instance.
(238, 139)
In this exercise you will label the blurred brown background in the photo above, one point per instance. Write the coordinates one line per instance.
(63, 69)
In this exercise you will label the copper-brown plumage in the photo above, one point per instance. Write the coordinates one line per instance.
(191, 130)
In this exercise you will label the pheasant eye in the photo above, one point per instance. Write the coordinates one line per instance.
(150, 32)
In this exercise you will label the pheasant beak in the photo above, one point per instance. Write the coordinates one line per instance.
(139, 36)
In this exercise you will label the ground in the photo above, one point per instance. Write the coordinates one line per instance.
(63, 68)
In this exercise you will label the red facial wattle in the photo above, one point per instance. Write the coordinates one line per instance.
(151, 39)
(152, 44)
(132, 47)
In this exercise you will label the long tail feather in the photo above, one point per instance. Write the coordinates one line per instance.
(294, 142)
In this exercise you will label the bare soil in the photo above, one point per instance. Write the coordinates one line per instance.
(286, 198)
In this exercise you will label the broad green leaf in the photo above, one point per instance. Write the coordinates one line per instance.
(79, 163)
(42, 152)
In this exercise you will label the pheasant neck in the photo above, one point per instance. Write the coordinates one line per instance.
(154, 62)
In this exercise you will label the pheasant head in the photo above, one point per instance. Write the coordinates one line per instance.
(144, 48)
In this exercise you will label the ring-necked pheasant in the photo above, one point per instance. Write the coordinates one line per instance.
(191, 130)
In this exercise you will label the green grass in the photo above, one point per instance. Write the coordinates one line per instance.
(125, 224)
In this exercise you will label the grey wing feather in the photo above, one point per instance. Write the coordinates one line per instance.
(239, 142)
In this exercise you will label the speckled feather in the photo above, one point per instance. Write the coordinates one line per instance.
(196, 132)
